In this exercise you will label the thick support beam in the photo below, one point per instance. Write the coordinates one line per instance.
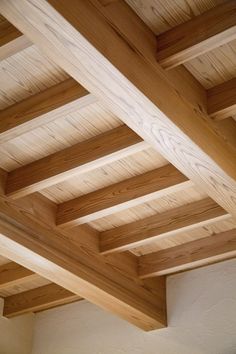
(37, 299)
(12, 274)
(124, 74)
(72, 261)
(80, 158)
(221, 100)
(190, 255)
(161, 225)
(42, 108)
(12, 41)
(120, 196)
(199, 35)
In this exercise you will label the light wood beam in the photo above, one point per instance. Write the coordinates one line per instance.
(80, 158)
(132, 84)
(199, 35)
(161, 225)
(71, 260)
(119, 196)
(190, 255)
(222, 100)
(38, 299)
(12, 274)
(42, 108)
(12, 41)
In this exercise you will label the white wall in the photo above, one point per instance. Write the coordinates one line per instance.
(16, 334)
(202, 320)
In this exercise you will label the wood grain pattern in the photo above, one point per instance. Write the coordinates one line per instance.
(215, 67)
(25, 74)
(121, 196)
(158, 14)
(221, 100)
(37, 299)
(76, 159)
(161, 225)
(147, 102)
(67, 260)
(14, 274)
(42, 108)
(11, 40)
(193, 254)
(203, 33)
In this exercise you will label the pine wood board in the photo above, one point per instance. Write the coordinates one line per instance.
(114, 172)
(27, 73)
(71, 129)
(161, 15)
(210, 69)
(215, 67)
(26, 285)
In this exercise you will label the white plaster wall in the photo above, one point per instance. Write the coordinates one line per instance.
(16, 334)
(202, 320)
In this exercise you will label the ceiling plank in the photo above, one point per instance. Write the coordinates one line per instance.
(221, 100)
(120, 196)
(38, 299)
(199, 35)
(42, 108)
(69, 260)
(135, 88)
(80, 158)
(208, 250)
(12, 274)
(12, 41)
(161, 225)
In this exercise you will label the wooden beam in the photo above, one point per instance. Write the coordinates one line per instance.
(72, 261)
(42, 108)
(131, 82)
(120, 196)
(38, 299)
(12, 41)
(222, 100)
(190, 255)
(199, 35)
(161, 225)
(12, 274)
(80, 158)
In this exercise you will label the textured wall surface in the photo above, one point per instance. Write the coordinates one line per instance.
(202, 320)
(16, 334)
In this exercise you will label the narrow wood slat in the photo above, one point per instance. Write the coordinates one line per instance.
(12, 41)
(221, 100)
(79, 158)
(193, 254)
(13, 274)
(42, 108)
(161, 225)
(203, 33)
(37, 299)
(120, 196)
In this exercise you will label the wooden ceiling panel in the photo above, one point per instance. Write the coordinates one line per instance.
(145, 210)
(162, 15)
(183, 237)
(210, 69)
(215, 67)
(27, 285)
(114, 172)
(75, 127)
(27, 73)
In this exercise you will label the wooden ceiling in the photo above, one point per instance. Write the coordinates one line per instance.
(117, 149)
